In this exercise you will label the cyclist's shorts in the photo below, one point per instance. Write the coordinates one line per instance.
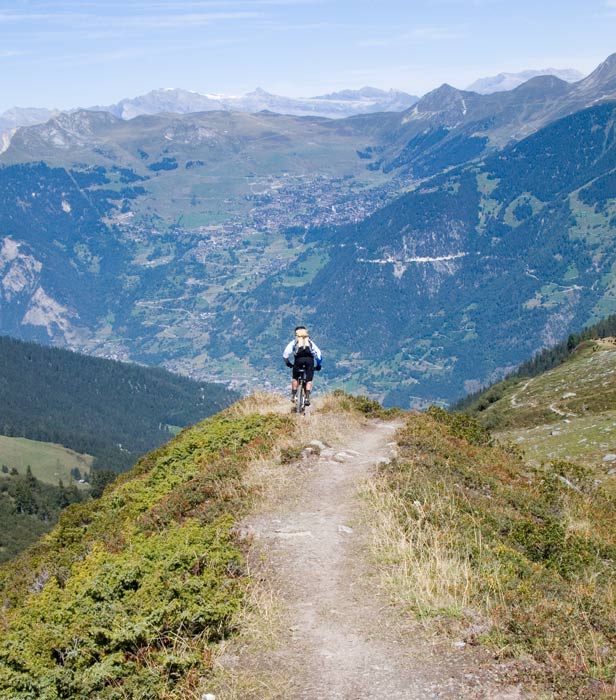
(308, 363)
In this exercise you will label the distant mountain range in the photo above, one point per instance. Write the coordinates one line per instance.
(509, 81)
(335, 105)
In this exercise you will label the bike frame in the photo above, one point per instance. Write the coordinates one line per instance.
(300, 403)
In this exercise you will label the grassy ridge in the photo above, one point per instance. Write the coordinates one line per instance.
(125, 596)
(582, 385)
(520, 559)
(542, 362)
(567, 413)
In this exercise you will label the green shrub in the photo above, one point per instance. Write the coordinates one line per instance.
(362, 404)
(462, 426)
(123, 598)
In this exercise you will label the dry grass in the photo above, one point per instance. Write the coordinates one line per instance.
(421, 566)
(326, 420)
(468, 537)
(244, 666)
(259, 402)
(269, 477)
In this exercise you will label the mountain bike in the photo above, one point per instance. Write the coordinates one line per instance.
(300, 397)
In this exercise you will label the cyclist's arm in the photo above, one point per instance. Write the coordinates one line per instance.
(318, 357)
(288, 351)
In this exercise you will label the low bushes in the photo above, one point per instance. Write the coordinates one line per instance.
(523, 560)
(124, 598)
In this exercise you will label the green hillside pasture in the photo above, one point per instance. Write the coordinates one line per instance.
(583, 385)
(586, 440)
(302, 273)
(49, 462)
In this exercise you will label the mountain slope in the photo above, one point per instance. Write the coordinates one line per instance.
(567, 413)
(422, 299)
(519, 243)
(189, 240)
(509, 81)
(201, 169)
(449, 126)
(542, 362)
(560, 404)
(111, 410)
(141, 582)
(24, 116)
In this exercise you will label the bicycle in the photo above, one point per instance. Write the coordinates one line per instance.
(300, 397)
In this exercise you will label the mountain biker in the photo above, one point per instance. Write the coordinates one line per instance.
(306, 355)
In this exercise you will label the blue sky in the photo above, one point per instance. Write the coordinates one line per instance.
(67, 53)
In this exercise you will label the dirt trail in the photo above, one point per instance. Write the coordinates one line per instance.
(341, 638)
(521, 390)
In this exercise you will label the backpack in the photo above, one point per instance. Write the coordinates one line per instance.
(302, 346)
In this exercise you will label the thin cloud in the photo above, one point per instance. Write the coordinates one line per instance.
(434, 34)
(417, 36)
(182, 5)
(375, 43)
(13, 17)
(468, 3)
(610, 8)
(181, 21)
(114, 23)
(128, 54)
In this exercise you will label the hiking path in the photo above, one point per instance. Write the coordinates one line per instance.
(337, 635)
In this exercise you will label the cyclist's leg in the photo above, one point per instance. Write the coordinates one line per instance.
(309, 375)
(294, 381)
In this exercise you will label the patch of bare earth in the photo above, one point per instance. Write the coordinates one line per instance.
(325, 629)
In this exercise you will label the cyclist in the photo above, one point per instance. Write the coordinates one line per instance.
(306, 355)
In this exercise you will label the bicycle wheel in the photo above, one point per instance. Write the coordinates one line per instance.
(301, 398)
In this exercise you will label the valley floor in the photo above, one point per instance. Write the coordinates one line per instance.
(325, 629)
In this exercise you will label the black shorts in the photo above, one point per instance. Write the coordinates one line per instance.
(306, 362)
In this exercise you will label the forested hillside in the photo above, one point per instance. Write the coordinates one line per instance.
(29, 508)
(112, 410)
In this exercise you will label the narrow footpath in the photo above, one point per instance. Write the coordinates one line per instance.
(340, 638)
